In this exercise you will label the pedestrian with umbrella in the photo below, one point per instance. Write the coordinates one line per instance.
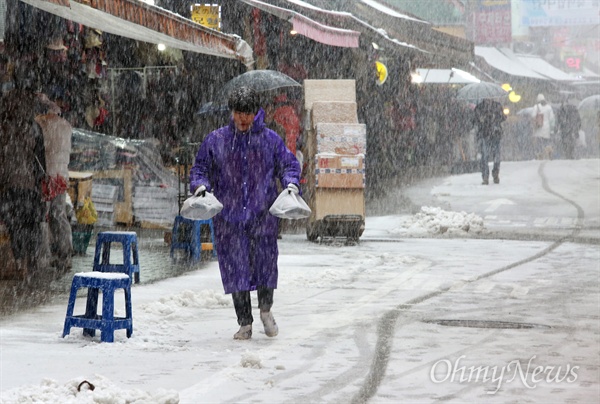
(242, 164)
(489, 116)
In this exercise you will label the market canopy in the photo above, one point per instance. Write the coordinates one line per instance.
(446, 76)
(500, 61)
(329, 27)
(539, 65)
(147, 23)
(310, 28)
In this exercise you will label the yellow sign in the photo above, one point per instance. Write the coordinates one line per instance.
(208, 15)
(382, 72)
(514, 97)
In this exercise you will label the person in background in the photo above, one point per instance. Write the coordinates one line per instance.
(57, 141)
(489, 116)
(543, 125)
(22, 169)
(568, 124)
(242, 164)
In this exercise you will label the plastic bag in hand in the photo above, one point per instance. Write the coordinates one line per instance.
(201, 207)
(289, 205)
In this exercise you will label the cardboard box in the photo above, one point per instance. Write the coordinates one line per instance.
(80, 186)
(338, 202)
(328, 90)
(342, 138)
(334, 171)
(334, 112)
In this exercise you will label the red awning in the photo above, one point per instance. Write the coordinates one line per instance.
(321, 33)
(143, 22)
(310, 28)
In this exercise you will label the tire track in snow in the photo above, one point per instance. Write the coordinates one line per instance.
(387, 324)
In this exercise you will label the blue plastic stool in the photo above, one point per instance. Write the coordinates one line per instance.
(187, 235)
(107, 323)
(129, 241)
(107, 278)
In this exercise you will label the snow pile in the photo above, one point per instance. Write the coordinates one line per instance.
(251, 360)
(432, 220)
(170, 305)
(80, 391)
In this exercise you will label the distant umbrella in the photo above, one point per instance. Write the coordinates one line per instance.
(476, 92)
(259, 80)
(590, 103)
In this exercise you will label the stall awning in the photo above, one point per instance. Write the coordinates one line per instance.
(540, 66)
(143, 22)
(500, 61)
(314, 22)
(310, 28)
(445, 76)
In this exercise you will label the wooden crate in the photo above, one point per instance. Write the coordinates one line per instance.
(80, 186)
(123, 212)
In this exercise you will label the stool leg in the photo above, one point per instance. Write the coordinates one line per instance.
(70, 309)
(107, 331)
(212, 238)
(195, 241)
(91, 309)
(106, 253)
(128, 312)
(136, 261)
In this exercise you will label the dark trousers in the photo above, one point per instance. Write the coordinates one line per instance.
(489, 148)
(243, 304)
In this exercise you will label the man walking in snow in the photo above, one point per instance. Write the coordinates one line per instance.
(241, 164)
(489, 116)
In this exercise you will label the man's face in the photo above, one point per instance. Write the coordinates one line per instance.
(242, 120)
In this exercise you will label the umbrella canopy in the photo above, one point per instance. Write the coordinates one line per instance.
(590, 103)
(476, 92)
(259, 80)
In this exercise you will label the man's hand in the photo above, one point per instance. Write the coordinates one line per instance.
(293, 188)
(201, 190)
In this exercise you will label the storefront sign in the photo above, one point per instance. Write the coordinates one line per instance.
(208, 15)
(573, 62)
(545, 13)
(492, 22)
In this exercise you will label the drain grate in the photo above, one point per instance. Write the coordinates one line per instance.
(486, 324)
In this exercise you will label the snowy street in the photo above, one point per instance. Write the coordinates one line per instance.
(490, 294)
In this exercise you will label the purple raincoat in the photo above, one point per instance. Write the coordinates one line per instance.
(242, 171)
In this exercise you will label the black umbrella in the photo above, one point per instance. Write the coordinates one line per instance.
(260, 80)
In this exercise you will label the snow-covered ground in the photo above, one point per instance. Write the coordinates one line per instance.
(370, 322)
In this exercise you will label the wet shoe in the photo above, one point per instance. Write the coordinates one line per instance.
(245, 332)
(268, 321)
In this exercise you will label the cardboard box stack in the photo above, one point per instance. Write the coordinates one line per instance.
(335, 149)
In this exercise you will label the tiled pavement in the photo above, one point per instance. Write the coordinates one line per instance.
(155, 262)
